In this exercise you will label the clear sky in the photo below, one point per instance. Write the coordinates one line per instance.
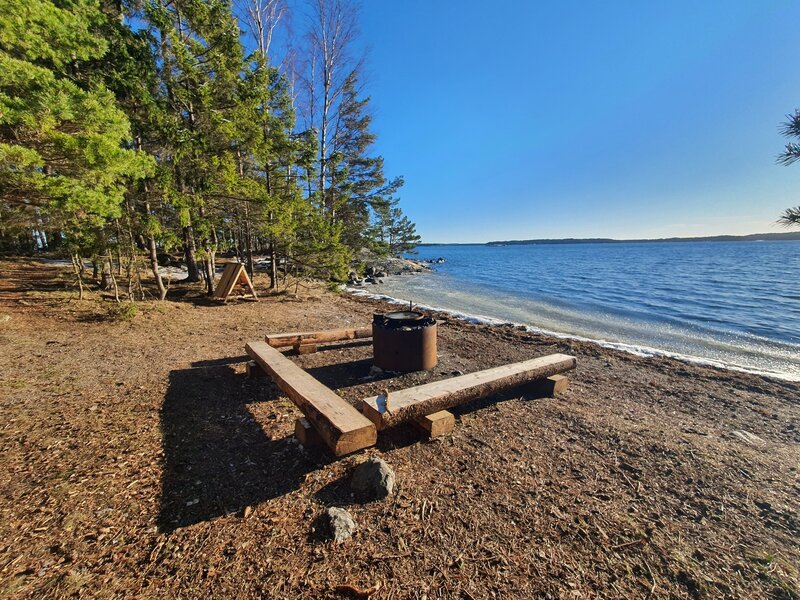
(525, 119)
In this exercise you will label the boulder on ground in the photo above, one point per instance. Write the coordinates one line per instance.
(341, 523)
(373, 479)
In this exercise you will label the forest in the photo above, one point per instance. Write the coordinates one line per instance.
(138, 133)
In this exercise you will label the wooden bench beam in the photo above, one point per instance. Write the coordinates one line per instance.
(406, 405)
(339, 424)
(303, 338)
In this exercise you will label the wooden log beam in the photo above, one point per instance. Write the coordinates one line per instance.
(408, 404)
(303, 338)
(339, 424)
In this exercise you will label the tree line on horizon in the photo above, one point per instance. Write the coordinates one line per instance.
(132, 130)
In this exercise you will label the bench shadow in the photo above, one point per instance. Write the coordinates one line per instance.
(526, 391)
(221, 362)
(217, 457)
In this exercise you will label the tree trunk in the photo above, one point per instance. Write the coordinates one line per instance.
(153, 254)
(76, 262)
(273, 262)
(108, 270)
(106, 275)
(189, 251)
(248, 237)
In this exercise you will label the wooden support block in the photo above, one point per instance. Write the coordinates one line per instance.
(437, 424)
(555, 385)
(253, 370)
(306, 348)
(300, 338)
(338, 423)
(549, 387)
(306, 434)
(406, 405)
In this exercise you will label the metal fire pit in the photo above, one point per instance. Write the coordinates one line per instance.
(404, 341)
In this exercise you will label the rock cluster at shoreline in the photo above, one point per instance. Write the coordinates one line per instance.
(378, 267)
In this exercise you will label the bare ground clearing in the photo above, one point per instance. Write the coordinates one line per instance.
(131, 451)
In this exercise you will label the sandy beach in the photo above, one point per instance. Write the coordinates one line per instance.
(139, 460)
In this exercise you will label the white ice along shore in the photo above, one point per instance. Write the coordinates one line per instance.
(637, 350)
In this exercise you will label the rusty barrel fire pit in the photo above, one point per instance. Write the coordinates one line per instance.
(404, 341)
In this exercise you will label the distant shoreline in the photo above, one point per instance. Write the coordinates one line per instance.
(753, 237)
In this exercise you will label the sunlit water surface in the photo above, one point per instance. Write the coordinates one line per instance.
(734, 304)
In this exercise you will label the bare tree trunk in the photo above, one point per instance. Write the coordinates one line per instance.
(110, 264)
(331, 36)
(152, 249)
(119, 247)
(247, 225)
(189, 253)
(106, 274)
(248, 241)
(76, 265)
(208, 260)
(273, 268)
(153, 255)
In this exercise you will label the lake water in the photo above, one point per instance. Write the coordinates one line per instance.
(731, 304)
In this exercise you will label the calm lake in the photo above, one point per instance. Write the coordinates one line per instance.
(735, 304)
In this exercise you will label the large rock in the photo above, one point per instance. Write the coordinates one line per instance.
(341, 524)
(373, 479)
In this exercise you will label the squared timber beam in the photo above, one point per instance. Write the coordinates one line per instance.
(302, 338)
(340, 425)
(409, 404)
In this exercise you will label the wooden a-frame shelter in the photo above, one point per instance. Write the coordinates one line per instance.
(234, 276)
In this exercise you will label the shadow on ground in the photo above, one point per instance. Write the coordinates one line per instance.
(217, 457)
(347, 374)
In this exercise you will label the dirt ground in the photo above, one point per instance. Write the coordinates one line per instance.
(139, 461)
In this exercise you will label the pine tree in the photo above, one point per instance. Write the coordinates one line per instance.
(393, 232)
(358, 185)
(790, 154)
(64, 142)
(201, 62)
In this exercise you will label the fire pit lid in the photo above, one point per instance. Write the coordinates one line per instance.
(402, 319)
(404, 315)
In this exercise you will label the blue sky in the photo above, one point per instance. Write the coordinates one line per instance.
(523, 119)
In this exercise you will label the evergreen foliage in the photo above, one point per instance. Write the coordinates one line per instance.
(150, 130)
(790, 154)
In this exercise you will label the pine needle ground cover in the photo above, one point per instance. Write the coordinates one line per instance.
(139, 461)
